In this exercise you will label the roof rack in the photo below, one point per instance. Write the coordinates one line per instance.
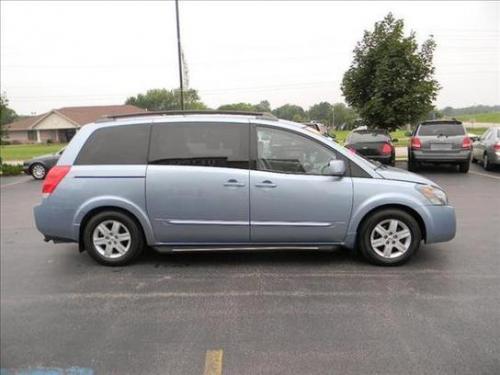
(263, 115)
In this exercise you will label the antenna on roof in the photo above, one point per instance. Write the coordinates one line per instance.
(179, 52)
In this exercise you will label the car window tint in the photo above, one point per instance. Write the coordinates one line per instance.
(127, 144)
(285, 152)
(356, 137)
(222, 145)
(441, 129)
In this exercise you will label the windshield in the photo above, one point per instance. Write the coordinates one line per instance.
(357, 137)
(441, 129)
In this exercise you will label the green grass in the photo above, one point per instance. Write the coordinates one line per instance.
(477, 131)
(26, 152)
(481, 117)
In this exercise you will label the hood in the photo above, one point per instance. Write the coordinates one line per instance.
(397, 174)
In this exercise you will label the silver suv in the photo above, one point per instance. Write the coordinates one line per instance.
(177, 181)
(440, 141)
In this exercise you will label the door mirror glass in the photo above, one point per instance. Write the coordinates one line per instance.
(336, 167)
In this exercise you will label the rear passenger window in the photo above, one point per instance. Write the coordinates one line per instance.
(204, 144)
(127, 144)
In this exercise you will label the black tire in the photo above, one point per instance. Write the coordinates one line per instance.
(464, 167)
(413, 166)
(486, 162)
(368, 226)
(136, 245)
(38, 171)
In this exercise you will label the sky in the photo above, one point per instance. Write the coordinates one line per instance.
(57, 54)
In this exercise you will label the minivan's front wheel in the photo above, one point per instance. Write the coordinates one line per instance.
(389, 237)
(113, 238)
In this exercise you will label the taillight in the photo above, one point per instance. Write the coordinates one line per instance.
(386, 148)
(496, 146)
(415, 143)
(467, 143)
(54, 177)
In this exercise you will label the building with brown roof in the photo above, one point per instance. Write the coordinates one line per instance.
(59, 125)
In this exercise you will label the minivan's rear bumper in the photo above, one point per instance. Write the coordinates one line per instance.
(52, 222)
(441, 156)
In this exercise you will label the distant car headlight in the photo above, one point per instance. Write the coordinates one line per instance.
(433, 194)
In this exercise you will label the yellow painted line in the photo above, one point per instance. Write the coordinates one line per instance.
(213, 362)
(485, 175)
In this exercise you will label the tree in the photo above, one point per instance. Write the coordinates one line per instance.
(291, 112)
(390, 81)
(263, 106)
(344, 116)
(165, 100)
(7, 115)
(237, 107)
(321, 112)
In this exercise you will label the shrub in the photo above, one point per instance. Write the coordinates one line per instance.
(11, 170)
(50, 141)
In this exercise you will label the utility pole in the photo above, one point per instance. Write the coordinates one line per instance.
(179, 53)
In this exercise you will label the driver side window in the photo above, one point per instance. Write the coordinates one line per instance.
(285, 152)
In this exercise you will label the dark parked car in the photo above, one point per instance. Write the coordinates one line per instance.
(374, 144)
(487, 149)
(39, 166)
(440, 141)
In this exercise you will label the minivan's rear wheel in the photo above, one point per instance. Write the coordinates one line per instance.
(389, 237)
(113, 238)
(38, 171)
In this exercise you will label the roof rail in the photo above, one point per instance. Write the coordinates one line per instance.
(263, 115)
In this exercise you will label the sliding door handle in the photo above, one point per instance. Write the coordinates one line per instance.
(266, 184)
(233, 183)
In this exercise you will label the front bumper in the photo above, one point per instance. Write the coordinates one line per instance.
(440, 156)
(440, 223)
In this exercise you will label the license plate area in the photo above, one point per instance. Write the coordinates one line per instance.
(441, 146)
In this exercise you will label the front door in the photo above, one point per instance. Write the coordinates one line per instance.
(292, 200)
(197, 183)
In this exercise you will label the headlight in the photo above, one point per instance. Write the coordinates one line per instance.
(433, 194)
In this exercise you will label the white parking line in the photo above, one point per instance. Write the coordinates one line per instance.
(13, 183)
(485, 175)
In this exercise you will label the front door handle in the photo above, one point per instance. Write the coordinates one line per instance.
(233, 183)
(266, 184)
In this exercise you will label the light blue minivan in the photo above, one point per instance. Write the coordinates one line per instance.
(232, 180)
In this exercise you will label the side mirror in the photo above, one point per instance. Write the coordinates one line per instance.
(395, 140)
(336, 168)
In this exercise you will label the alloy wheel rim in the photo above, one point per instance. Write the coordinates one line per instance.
(38, 171)
(111, 239)
(390, 238)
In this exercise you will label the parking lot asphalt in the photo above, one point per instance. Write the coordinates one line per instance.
(256, 313)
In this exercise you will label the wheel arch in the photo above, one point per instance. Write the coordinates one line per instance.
(401, 207)
(96, 210)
